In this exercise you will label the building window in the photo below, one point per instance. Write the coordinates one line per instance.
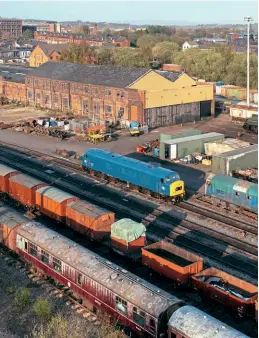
(36, 82)
(86, 89)
(79, 279)
(56, 264)
(30, 95)
(85, 106)
(46, 99)
(139, 317)
(64, 86)
(108, 109)
(44, 257)
(121, 305)
(46, 84)
(72, 87)
(108, 92)
(28, 81)
(121, 94)
(65, 102)
(121, 112)
(33, 250)
(96, 108)
(38, 96)
(55, 99)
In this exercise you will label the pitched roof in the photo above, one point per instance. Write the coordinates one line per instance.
(192, 43)
(50, 48)
(119, 77)
(171, 76)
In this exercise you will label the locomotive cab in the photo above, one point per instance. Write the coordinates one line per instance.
(175, 187)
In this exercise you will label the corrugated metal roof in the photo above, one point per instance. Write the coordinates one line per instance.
(194, 323)
(54, 194)
(239, 152)
(26, 181)
(11, 218)
(5, 170)
(127, 230)
(87, 208)
(193, 138)
(124, 284)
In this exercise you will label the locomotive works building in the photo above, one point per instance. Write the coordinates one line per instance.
(155, 98)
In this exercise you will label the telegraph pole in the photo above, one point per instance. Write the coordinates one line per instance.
(248, 19)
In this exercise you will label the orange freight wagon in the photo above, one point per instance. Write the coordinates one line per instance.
(172, 261)
(22, 188)
(226, 289)
(89, 219)
(5, 173)
(52, 202)
(9, 222)
(128, 236)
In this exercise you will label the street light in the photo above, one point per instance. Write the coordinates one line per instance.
(248, 19)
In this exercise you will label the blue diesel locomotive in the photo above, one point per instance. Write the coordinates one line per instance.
(233, 190)
(157, 181)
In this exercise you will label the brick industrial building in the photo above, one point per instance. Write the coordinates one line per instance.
(10, 28)
(156, 98)
(76, 38)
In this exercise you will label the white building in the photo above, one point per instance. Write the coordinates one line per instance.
(190, 44)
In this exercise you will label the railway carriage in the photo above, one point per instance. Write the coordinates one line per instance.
(233, 190)
(145, 177)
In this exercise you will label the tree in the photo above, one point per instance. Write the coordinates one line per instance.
(164, 51)
(85, 30)
(28, 34)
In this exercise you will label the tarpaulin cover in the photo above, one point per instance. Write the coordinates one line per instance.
(127, 230)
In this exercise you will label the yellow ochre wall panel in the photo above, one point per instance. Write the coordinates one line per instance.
(154, 81)
(37, 57)
(170, 97)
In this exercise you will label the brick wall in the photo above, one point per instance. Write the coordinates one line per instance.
(13, 90)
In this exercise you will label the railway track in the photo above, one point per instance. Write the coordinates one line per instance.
(185, 237)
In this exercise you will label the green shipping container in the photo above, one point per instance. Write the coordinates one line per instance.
(176, 134)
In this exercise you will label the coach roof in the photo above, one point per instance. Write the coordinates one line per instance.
(112, 76)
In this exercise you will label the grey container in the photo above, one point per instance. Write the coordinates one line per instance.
(244, 158)
(177, 134)
(181, 147)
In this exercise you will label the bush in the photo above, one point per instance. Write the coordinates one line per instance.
(22, 297)
(42, 308)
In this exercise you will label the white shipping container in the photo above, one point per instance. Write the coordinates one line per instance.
(255, 98)
(241, 113)
(218, 90)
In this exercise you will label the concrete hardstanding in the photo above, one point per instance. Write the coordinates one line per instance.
(178, 148)
(243, 158)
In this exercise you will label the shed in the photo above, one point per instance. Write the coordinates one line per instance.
(22, 188)
(180, 147)
(128, 235)
(5, 173)
(219, 147)
(234, 160)
(52, 202)
(89, 219)
(175, 134)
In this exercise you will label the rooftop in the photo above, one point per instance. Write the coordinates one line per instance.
(238, 152)
(193, 138)
(50, 48)
(118, 77)
(171, 76)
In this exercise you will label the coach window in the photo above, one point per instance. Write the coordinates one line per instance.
(56, 264)
(121, 305)
(139, 317)
(152, 324)
(44, 257)
(79, 279)
(173, 335)
(25, 245)
(33, 250)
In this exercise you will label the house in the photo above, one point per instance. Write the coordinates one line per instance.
(190, 44)
(46, 52)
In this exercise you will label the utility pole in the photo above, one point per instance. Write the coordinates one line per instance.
(248, 19)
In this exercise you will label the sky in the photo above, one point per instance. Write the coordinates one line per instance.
(134, 12)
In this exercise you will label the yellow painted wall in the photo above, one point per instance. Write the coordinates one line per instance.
(154, 81)
(37, 57)
(168, 97)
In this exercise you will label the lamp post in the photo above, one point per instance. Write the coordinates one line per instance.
(248, 19)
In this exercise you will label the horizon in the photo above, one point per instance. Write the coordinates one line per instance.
(122, 12)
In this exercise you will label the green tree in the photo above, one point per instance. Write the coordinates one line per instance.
(164, 51)
(28, 34)
(85, 30)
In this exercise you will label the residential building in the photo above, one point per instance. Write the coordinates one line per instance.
(79, 38)
(14, 53)
(10, 28)
(46, 52)
(190, 44)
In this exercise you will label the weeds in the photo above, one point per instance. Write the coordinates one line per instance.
(42, 309)
(22, 297)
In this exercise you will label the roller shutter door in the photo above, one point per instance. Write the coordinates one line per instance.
(205, 108)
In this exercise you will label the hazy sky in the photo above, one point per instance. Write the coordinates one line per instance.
(139, 12)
